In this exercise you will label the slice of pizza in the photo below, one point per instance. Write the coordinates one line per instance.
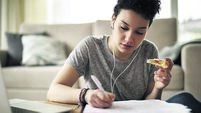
(158, 62)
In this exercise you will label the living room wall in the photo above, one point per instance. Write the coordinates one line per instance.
(35, 11)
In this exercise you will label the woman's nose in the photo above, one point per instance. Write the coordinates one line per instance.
(129, 36)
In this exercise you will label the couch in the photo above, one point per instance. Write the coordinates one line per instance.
(191, 54)
(32, 82)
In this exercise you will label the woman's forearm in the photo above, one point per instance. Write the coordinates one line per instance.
(62, 93)
(155, 94)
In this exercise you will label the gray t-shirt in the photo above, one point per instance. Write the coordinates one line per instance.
(92, 56)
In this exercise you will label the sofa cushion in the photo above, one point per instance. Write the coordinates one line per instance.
(15, 47)
(177, 80)
(29, 77)
(169, 93)
(191, 65)
(42, 50)
(174, 52)
(25, 77)
(102, 27)
(71, 34)
(163, 32)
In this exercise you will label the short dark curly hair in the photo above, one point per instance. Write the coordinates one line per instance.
(146, 8)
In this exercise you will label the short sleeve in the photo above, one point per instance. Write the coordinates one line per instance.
(79, 57)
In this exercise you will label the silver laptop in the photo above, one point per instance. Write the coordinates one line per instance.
(26, 106)
(4, 104)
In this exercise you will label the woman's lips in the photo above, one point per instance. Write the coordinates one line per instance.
(126, 46)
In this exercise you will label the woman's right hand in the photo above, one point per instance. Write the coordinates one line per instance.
(100, 99)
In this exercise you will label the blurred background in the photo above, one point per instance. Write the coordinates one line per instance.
(15, 12)
(31, 80)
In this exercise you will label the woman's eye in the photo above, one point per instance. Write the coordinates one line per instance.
(124, 28)
(139, 33)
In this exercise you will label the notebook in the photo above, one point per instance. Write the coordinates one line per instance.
(140, 106)
(26, 106)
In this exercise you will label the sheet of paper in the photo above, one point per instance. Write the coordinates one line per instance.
(136, 106)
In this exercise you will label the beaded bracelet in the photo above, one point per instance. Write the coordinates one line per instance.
(82, 95)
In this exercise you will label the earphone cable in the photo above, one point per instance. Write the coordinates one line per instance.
(112, 85)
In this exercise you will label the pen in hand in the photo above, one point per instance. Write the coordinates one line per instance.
(104, 100)
(97, 82)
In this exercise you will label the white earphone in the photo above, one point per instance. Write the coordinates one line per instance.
(111, 76)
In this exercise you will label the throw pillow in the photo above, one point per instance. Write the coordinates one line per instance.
(15, 47)
(42, 50)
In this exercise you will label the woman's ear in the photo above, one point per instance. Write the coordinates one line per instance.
(113, 20)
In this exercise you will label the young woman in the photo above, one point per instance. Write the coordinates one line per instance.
(118, 61)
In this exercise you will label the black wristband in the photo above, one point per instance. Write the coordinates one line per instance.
(82, 96)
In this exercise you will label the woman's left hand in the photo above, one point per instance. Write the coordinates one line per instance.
(163, 75)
